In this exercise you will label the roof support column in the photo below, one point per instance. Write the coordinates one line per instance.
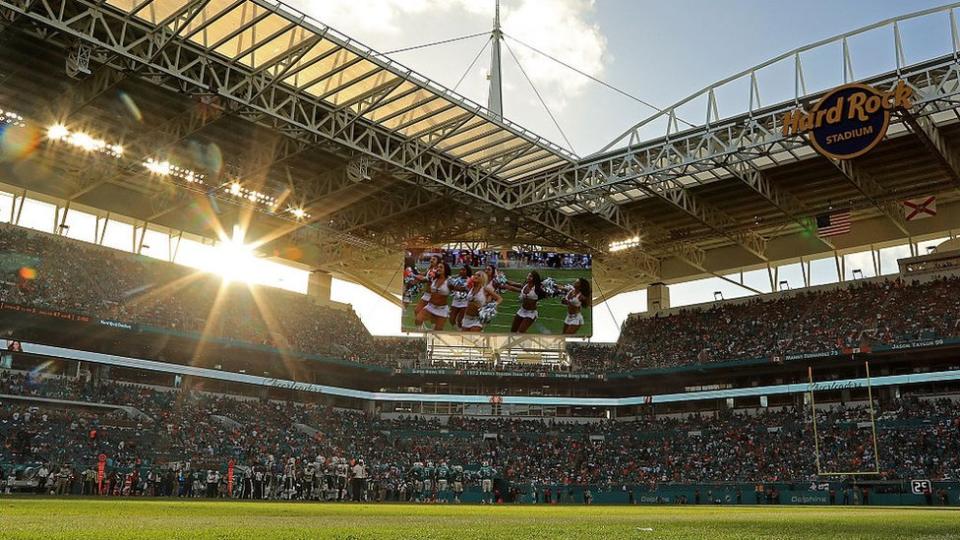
(658, 297)
(319, 285)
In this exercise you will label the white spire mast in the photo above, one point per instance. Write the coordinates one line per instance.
(495, 99)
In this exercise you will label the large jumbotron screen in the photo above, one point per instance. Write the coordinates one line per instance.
(497, 291)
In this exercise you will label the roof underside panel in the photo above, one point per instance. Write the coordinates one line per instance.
(271, 38)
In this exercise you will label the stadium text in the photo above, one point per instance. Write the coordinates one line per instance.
(858, 106)
(850, 120)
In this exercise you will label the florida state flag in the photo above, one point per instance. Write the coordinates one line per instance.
(922, 208)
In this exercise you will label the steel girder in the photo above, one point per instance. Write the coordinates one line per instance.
(383, 242)
(123, 42)
(85, 91)
(182, 198)
(872, 191)
(786, 202)
(149, 143)
(680, 196)
(383, 209)
(931, 138)
(662, 168)
(674, 160)
(103, 79)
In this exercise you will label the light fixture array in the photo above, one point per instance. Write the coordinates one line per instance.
(11, 118)
(621, 245)
(165, 168)
(83, 141)
(159, 167)
(239, 191)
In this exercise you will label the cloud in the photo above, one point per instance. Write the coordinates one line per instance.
(560, 28)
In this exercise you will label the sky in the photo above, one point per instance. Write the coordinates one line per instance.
(658, 51)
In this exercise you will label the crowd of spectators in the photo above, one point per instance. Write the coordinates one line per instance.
(861, 315)
(53, 272)
(47, 271)
(192, 432)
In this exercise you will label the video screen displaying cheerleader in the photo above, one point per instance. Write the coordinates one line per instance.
(497, 292)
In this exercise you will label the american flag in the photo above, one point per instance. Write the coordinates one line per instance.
(833, 224)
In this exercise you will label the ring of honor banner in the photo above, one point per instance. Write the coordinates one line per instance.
(497, 291)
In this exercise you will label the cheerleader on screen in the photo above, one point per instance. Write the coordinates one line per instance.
(427, 277)
(576, 299)
(530, 293)
(459, 303)
(491, 272)
(437, 309)
(479, 294)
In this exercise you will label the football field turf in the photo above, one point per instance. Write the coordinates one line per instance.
(198, 519)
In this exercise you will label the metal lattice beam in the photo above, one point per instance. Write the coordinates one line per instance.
(153, 143)
(931, 138)
(872, 191)
(180, 65)
(124, 42)
(786, 202)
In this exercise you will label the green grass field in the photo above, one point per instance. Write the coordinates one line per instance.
(551, 311)
(150, 518)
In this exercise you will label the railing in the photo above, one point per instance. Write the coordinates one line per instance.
(834, 56)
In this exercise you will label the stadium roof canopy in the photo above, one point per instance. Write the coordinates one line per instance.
(276, 112)
(290, 48)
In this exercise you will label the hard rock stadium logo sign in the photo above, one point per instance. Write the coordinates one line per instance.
(850, 120)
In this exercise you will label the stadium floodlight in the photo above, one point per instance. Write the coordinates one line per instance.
(57, 132)
(237, 190)
(11, 118)
(718, 295)
(165, 168)
(83, 141)
(298, 212)
(621, 245)
(784, 285)
(86, 142)
(159, 168)
(857, 273)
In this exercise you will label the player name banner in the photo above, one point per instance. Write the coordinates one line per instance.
(920, 344)
(810, 355)
(43, 312)
(495, 373)
(116, 324)
(64, 315)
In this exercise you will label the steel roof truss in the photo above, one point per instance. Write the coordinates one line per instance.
(285, 63)
(230, 36)
(280, 109)
(679, 196)
(931, 138)
(784, 201)
(416, 120)
(872, 190)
